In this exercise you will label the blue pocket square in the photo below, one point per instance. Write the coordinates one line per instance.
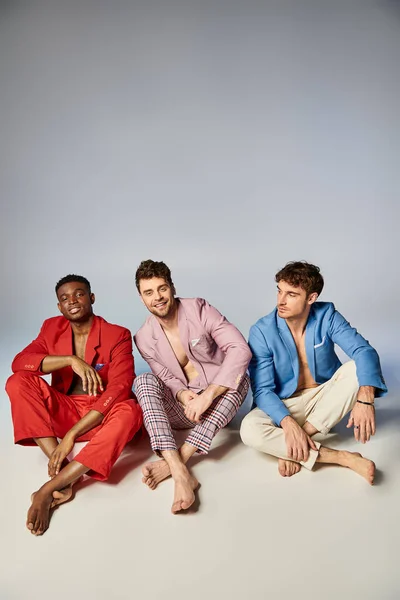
(99, 366)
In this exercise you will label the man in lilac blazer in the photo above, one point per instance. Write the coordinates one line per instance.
(198, 381)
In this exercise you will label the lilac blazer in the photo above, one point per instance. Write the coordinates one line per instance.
(216, 348)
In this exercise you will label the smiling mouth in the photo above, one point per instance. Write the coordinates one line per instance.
(160, 305)
(73, 311)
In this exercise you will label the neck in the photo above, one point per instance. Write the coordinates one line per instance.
(171, 320)
(83, 327)
(297, 325)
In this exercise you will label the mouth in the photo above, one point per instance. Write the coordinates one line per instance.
(160, 305)
(73, 311)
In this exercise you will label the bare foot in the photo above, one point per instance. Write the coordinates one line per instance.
(363, 466)
(39, 513)
(61, 496)
(287, 468)
(155, 472)
(184, 493)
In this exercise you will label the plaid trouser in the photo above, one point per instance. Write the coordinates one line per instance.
(162, 413)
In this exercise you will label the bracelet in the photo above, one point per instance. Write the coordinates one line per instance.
(367, 403)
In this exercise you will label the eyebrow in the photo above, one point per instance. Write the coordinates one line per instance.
(288, 291)
(75, 290)
(151, 289)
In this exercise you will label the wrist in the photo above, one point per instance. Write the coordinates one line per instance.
(71, 435)
(288, 422)
(178, 394)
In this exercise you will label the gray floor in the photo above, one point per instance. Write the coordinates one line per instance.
(325, 534)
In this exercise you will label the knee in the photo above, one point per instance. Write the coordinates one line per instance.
(348, 371)
(16, 381)
(127, 415)
(145, 380)
(249, 430)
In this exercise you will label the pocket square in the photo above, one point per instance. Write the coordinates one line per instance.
(99, 366)
(194, 342)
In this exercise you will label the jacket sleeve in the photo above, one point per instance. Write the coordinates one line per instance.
(262, 378)
(229, 339)
(120, 375)
(31, 357)
(161, 371)
(358, 349)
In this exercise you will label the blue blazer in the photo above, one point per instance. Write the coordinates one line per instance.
(274, 368)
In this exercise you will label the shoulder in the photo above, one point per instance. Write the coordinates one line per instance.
(266, 325)
(194, 304)
(54, 324)
(117, 331)
(143, 332)
(323, 311)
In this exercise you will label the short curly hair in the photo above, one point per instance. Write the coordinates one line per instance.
(152, 268)
(72, 277)
(302, 274)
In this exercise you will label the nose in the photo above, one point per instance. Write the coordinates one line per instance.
(72, 300)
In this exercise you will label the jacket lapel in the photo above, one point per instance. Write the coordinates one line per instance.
(166, 355)
(310, 336)
(93, 341)
(288, 340)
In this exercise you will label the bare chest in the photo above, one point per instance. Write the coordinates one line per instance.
(177, 347)
(79, 345)
(306, 379)
(187, 367)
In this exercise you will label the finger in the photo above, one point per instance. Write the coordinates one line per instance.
(84, 381)
(94, 382)
(367, 431)
(373, 427)
(311, 443)
(357, 432)
(363, 433)
(306, 452)
(289, 451)
(99, 381)
(350, 422)
(90, 383)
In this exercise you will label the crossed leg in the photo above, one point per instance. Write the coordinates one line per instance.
(161, 413)
(316, 411)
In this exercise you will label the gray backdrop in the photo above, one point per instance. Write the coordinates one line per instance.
(222, 137)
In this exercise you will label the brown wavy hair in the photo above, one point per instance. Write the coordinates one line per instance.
(302, 274)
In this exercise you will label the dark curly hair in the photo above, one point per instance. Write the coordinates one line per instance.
(72, 277)
(151, 268)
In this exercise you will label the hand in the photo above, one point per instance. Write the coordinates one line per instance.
(362, 418)
(185, 396)
(59, 454)
(298, 443)
(91, 380)
(197, 406)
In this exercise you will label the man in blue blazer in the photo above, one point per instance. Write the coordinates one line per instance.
(300, 388)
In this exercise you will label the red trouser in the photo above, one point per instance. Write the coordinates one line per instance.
(39, 410)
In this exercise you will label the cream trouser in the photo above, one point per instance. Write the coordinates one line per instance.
(322, 406)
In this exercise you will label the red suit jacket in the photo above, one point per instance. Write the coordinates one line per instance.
(108, 350)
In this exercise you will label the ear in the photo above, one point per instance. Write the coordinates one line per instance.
(59, 306)
(312, 298)
(92, 298)
(173, 290)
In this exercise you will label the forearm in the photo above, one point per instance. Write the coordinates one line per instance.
(54, 363)
(88, 422)
(213, 390)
